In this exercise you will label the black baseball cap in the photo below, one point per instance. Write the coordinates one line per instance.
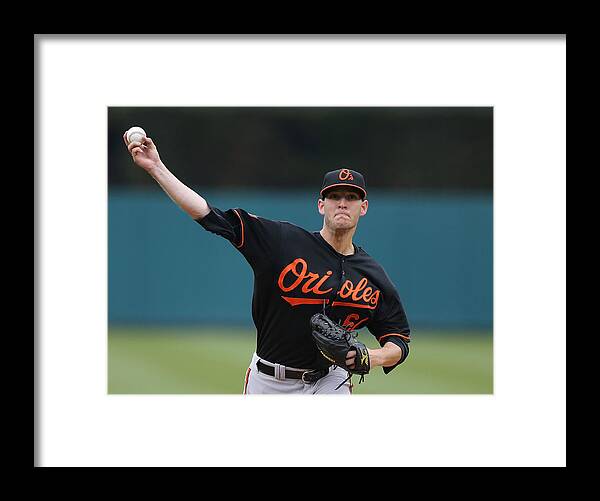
(344, 177)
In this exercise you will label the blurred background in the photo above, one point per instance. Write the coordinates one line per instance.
(175, 323)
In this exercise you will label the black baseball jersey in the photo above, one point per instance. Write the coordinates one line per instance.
(297, 274)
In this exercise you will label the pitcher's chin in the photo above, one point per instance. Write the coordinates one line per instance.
(340, 225)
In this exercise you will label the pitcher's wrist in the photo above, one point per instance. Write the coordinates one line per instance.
(156, 168)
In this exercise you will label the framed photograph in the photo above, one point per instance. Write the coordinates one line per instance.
(408, 191)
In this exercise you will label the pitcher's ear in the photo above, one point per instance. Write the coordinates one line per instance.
(364, 207)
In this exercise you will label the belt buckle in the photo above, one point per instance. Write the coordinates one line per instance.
(312, 372)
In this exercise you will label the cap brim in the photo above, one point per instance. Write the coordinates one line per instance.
(327, 188)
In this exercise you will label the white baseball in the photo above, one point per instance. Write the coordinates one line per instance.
(135, 134)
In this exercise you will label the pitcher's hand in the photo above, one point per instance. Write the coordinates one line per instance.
(144, 154)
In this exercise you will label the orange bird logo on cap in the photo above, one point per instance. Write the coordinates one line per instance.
(346, 175)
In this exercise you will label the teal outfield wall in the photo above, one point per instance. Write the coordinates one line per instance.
(165, 268)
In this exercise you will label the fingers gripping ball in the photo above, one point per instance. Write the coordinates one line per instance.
(334, 342)
(136, 134)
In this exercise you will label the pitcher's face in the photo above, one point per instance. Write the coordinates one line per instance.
(342, 209)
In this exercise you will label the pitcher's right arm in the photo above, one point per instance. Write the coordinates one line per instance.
(145, 155)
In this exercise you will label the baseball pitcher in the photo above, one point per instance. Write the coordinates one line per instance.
(312, 290)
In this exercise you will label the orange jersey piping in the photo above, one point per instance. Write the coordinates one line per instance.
(407, 338)
(242, 223)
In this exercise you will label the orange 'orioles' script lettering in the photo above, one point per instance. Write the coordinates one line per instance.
(357, 293)
(301, 275)
(296, 275)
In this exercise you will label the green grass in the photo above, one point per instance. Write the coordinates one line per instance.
(214, 361)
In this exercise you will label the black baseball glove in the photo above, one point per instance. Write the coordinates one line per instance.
(334, 342)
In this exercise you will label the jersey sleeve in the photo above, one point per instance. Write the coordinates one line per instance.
(257, 238)
(390, 324)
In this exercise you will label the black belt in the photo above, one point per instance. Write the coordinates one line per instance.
(306, 376)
